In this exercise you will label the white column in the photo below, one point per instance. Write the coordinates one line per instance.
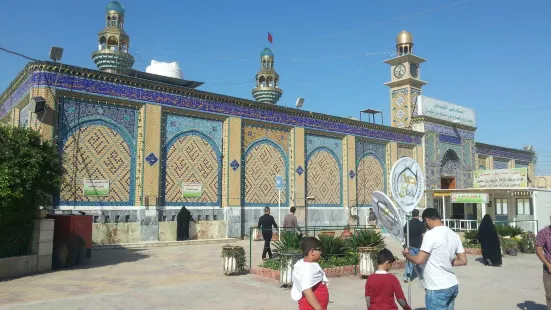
(444, 209)
(483, 209)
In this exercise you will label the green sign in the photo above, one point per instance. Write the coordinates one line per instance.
(96, 188)
(470, 198)
(192, 190)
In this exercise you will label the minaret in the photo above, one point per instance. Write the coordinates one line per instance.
(405, 85)
(112, 54)
(267, 80)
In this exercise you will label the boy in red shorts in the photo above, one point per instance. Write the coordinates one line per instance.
(309, 280)
(381, 287)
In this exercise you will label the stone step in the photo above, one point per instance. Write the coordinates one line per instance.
(153, 244)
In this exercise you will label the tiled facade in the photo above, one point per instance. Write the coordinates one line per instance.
(148, 138)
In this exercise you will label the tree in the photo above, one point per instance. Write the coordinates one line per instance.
(30, 174)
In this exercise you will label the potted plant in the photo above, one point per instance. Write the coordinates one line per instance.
(234, 259)
(510, 246)
(346, 232)
(367, 243)
(527, 243)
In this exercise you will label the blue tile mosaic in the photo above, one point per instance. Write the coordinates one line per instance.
(16, 96)
(449, 139)
(314, 142)
(151, 159)
(367, 147)
(177, 124)
(234, 165)
(498, 152)
(465, 134)
(501, 164)
(300, 170)
(80, 84)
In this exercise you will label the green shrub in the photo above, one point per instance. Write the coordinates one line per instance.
(367, 238)
(527, 243)
(30, 174)
(471, 236)
(328, 262)
(508, 231)
(289, 242)
(331, 245)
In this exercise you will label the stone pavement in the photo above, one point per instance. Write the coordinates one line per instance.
(190, 277)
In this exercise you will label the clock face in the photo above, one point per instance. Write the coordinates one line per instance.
(414, 70)
(399, 71)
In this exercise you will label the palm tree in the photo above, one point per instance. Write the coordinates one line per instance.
(530, 148)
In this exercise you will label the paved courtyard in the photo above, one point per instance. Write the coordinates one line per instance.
(190, 277)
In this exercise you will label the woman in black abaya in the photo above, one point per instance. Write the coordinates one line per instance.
(489, 241)
(182, 228)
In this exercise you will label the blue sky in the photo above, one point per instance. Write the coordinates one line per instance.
(488, 55)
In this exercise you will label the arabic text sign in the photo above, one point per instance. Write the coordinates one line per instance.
(517, 177)
(445, 111)
(470, 198)
(388, 215)
(96, 188)
(407, 183)
(192, 190)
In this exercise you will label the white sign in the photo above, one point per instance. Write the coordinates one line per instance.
(388, 215)
(95, 188)
(279, 182)
(407, 183)
(192, 190)
(445, 111)
(517, 177)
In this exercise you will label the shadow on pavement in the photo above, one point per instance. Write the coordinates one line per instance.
(101, 258)
(530, 305)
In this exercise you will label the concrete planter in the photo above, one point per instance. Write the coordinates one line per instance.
(286, 271)
(233, 259)
(368, 264)
(328, 233)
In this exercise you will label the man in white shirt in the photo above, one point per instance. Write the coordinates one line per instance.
(440, 251)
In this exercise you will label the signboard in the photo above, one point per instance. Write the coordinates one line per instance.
(470, 198)
(407, 183)
(24, 116)
(279, 182)
(192, 190)
(96, 188)
(388, 215)
(446, 111)
(517, 177)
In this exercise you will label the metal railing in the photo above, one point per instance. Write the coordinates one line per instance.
(15, 240)
(466, 225)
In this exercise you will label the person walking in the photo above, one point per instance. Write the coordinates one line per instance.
(372, 219)
(182, 224)
(290, 221)
(416, 231)
(440, 251)
(489, 242)
(265, 224)
(543, 251)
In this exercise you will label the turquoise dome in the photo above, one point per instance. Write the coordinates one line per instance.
(115, 6)
(267, 52)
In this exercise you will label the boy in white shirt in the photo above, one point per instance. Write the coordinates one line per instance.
(440, 251)
(309, 280)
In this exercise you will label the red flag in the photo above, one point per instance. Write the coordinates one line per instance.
(270, 38)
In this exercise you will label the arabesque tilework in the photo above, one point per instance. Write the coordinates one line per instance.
(371, 170)
(404, 151)
(323, 170)
(192, 154)
(97, 141)
(265, 156)
(400, 107)
(501, 164)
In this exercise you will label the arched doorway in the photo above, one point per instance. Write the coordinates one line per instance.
(450, 170)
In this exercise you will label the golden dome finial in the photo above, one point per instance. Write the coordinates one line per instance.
(404, 37)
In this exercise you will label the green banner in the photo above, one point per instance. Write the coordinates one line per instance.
(96, 188)
(470, 198)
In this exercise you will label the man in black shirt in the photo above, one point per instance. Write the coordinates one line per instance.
(416, 231)
(265, 224)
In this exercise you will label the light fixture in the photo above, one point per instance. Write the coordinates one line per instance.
(300, 102)
(39, 104)
(56, 53)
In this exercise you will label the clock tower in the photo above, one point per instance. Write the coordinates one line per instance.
(405, 84)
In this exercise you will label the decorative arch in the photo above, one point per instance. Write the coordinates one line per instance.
(324, 177)
(191, 156)
(371, 177)
(98, 148)
(112, 41)
(450, 165)
(262, 161)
